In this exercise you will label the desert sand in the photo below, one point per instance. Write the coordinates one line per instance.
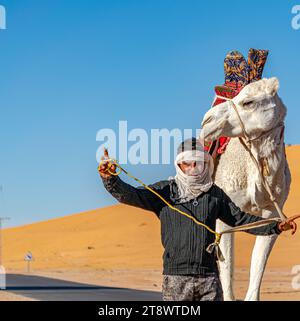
(120, 246)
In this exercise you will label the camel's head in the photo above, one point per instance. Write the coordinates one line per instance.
(258, 105)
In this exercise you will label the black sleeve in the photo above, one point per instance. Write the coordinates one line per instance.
(135, 196)
(232, 215)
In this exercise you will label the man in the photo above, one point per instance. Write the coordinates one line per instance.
(190, 273)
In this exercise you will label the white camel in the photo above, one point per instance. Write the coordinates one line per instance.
(263, 113)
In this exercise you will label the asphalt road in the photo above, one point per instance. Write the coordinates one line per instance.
(48, 289)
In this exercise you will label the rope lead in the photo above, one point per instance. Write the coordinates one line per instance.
(213, 247)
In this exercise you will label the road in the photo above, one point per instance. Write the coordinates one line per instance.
(48, 289)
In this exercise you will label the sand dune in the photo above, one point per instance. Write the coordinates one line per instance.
(122, 236)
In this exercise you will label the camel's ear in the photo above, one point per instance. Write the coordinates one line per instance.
(272, 86)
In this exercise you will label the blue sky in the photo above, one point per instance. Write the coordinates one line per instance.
(70, 68)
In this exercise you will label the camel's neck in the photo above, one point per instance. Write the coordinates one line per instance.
(237, 174)
(269, 150)
(270, 147)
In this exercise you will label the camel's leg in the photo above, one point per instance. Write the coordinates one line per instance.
(226, 267)
(260, 254)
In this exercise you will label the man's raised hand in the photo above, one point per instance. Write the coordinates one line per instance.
(105, 165)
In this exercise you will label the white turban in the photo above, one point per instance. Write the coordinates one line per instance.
(191, 186)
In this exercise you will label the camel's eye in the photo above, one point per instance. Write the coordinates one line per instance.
(248, 103)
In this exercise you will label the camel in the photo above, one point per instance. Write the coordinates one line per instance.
(263, 113)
